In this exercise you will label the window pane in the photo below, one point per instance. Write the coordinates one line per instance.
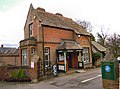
(31, 29)
(47, 56)
(32, 51)
(85, 56)
(24, 57)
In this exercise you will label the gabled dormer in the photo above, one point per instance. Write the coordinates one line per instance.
(28, 28)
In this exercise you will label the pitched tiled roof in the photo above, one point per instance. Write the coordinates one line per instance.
(98, 47)
(69, 45)
(57, 20)
(6, 51)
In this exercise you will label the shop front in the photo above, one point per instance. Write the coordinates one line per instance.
(68, 56)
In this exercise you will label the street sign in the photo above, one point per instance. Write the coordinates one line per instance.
(110, 74)
(108, 70)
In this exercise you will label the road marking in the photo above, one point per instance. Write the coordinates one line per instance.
(91, 78)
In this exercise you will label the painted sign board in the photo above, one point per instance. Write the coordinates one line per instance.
(108, 70)
(61, 67)
(32, 64)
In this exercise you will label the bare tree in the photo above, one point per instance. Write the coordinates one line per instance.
(85, 24)
(113, 42)
(102, 36)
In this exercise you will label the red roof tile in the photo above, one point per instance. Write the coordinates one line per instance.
(60, 21)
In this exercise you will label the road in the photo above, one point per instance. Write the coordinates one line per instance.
(90, 79)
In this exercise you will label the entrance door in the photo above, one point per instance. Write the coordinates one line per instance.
(69, 60)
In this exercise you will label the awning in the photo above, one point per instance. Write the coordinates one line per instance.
(69, 45)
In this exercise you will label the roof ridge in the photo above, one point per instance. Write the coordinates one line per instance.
(53, 14)
(51, 19)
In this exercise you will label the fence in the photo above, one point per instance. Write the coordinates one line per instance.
(45, 72)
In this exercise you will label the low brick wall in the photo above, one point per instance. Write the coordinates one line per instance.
(110, 84)
(6, 71)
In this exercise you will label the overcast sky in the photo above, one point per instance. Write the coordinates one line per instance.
(13, 14)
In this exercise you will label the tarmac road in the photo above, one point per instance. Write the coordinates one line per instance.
(90, 79)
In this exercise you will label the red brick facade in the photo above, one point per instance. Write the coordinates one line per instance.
(49, 31)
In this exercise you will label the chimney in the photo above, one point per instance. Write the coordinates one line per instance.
(59, 14)
(2, 46)
(41, 9)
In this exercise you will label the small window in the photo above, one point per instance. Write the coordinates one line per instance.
(47, 56)
(31, 29)
(32, 51)
(24, 57)
(85, 56)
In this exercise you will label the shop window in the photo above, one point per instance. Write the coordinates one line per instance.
(47, 56)
(24, 57)
(85, 56)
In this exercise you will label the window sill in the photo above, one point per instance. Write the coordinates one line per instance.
(87, 62)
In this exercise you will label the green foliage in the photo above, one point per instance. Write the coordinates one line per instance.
(18, 73)
(96, 55)
(92, 37)
(14, 74)
(21, 73)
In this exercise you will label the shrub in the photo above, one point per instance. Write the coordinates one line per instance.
(14, 74)
(18, 73)
(21, 73)
(18, 76)
(96, 55)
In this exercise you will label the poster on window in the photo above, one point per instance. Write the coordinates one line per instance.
(61, 57)
(32, 65)
(61, 67)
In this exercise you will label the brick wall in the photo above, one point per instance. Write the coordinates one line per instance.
(53, 37)
(52, 52)
(84, 41)
(10, 60)
(6, 71)
(55, 34)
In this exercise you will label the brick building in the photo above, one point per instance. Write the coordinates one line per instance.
(56, 40)
(9, 56)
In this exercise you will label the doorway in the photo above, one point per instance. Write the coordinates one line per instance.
(69, 60)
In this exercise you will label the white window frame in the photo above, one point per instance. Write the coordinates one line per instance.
(47, 56)
(86, 55)
(24, 57)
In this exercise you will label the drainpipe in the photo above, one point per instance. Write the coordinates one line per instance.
(42, 42)
(43, 49)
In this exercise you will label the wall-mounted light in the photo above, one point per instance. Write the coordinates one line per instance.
(34, 17)
(78, 35)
